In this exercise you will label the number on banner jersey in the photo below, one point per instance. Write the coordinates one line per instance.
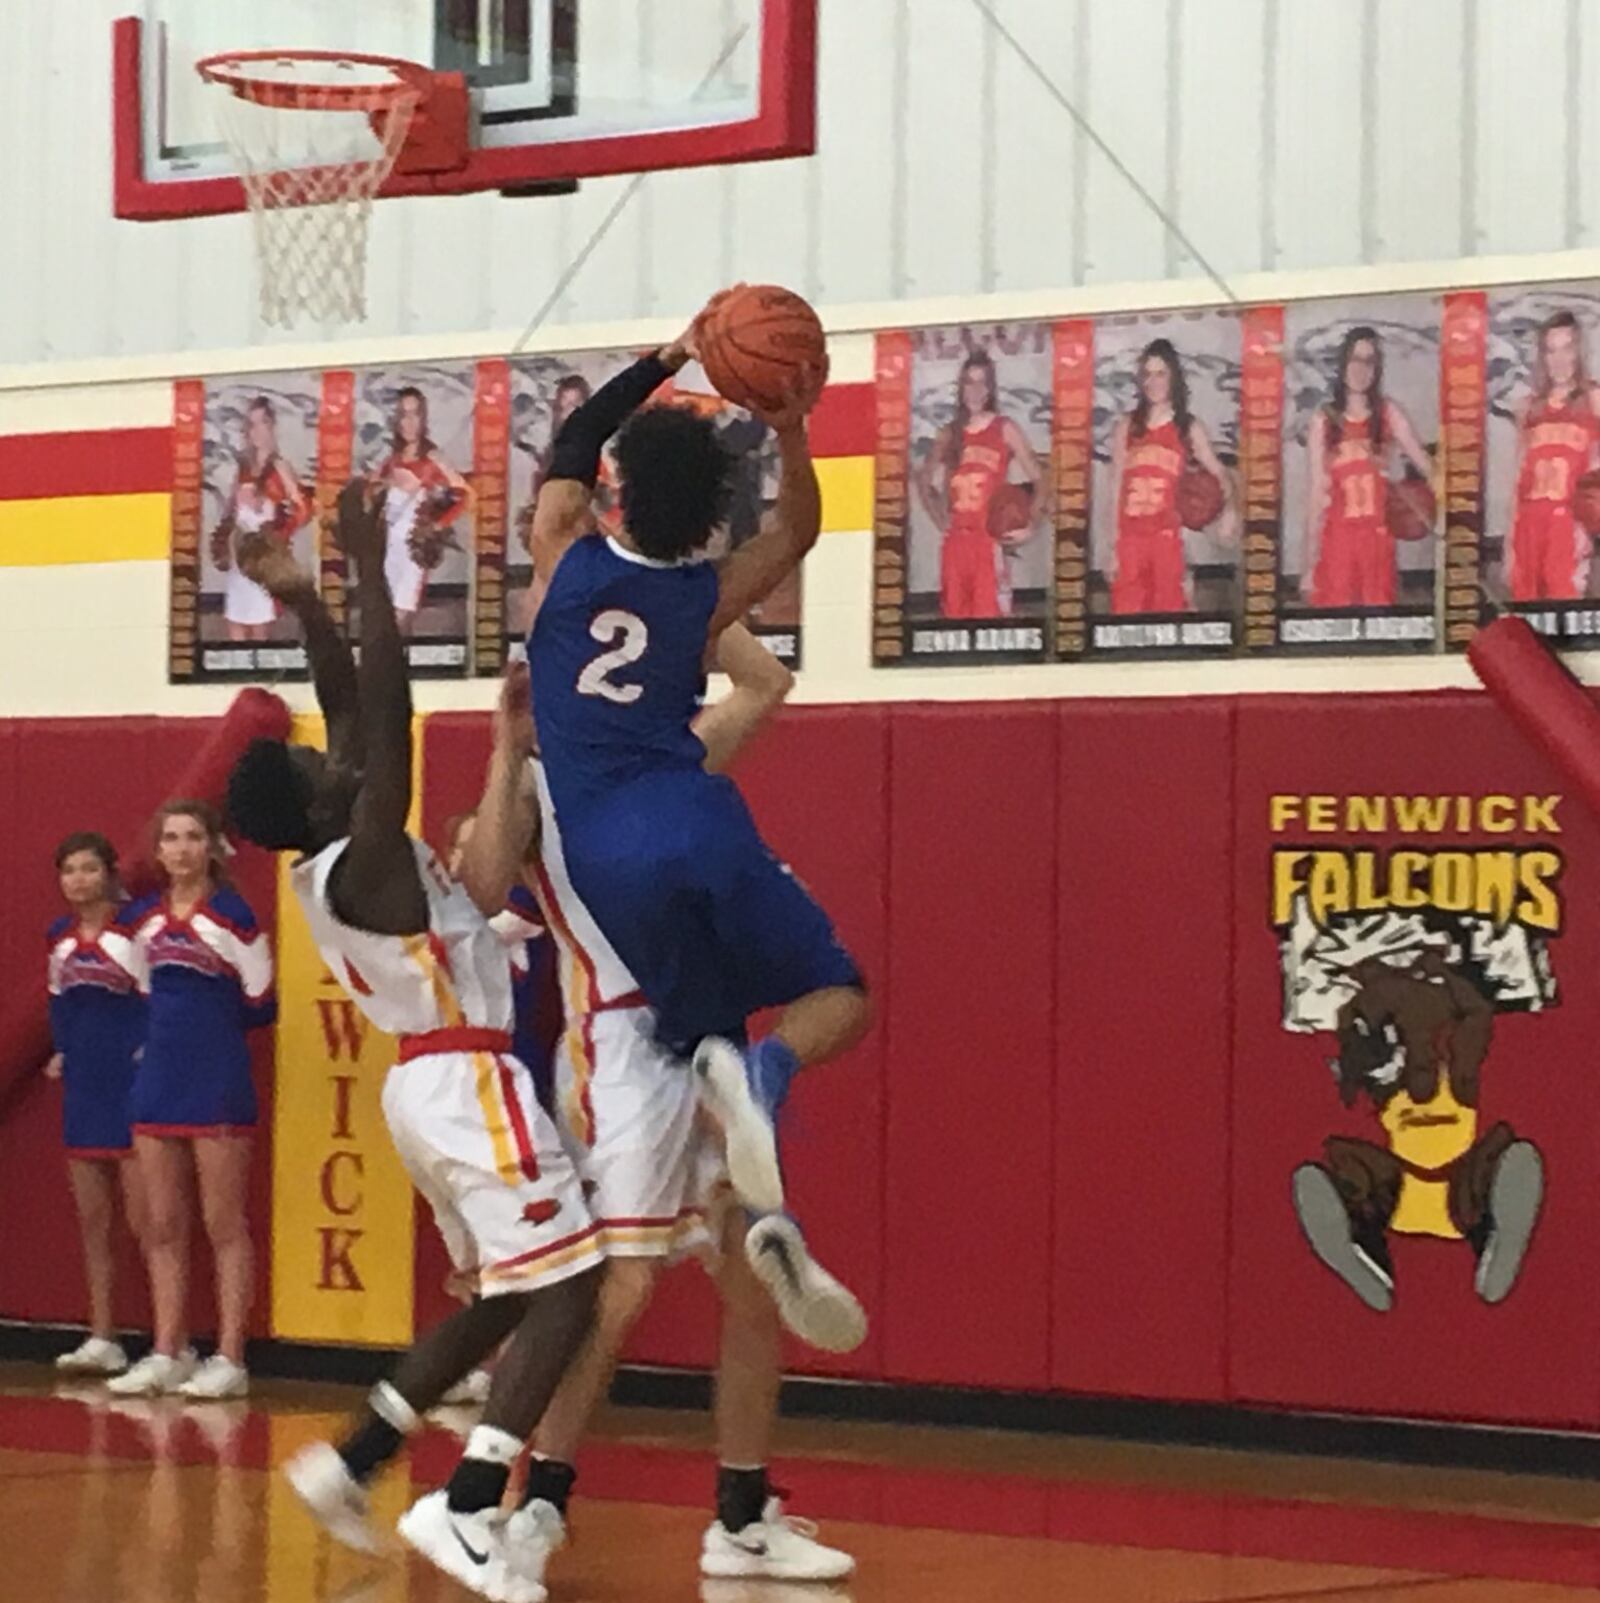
(617, 659)
(455, 975)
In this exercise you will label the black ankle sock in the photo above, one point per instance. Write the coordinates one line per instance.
(370, 1446)
(476, 1485)
(741, 1497)
(550, 1481)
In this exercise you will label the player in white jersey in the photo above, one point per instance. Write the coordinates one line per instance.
(420, 960)
(653, 1172)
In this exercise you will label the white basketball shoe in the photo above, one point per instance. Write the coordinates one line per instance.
(469, 1548)
(775, 1548)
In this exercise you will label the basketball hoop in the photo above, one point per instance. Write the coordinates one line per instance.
(315, 133)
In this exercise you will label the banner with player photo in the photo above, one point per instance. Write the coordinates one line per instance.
(1162, 556)
(544, 391)
(245, 465)
(1531, 490)
(1358, 551)
(414, 430)
(963, 565)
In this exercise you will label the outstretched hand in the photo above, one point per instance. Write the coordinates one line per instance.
(361, 527)
(270, 563)
(689, 346)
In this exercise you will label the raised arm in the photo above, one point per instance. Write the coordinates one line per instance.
(270, 564)
(759, 566)
(561, 511)
(507, 815)
(761, 685)
(376, 885)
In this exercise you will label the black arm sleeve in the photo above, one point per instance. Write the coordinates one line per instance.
(578, 445)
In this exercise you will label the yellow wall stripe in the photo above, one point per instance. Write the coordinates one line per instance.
(85, 528)
(137, 528)
(846, 492)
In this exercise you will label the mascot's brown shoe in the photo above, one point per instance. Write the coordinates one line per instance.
(1514, 1200)
(1327, 1227)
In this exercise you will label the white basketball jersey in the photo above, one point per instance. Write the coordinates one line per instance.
(456, 976)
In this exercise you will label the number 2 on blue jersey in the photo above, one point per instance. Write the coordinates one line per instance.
(627, 636)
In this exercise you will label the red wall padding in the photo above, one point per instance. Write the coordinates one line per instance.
(1143, 985)
(970, 1165)
(1296, 1334)
(108, 775)
(1063, 1157)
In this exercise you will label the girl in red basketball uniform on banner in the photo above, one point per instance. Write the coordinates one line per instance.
(1550, 549)
(1155, 450)
(1350, 543)
(960, 484)
(267, 498)
(425, 496)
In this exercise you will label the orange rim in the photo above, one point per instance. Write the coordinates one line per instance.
(230, 70)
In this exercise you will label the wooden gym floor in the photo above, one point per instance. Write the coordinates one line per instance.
(168, 1502)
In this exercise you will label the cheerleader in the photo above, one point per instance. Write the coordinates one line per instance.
(205, 966)
(424, 496)
(97, 1018)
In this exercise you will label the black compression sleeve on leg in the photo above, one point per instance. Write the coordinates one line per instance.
(584, 434)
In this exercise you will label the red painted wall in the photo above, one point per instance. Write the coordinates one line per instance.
(57, 776)
(1062, 1159)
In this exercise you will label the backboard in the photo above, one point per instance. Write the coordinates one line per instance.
(560, 89)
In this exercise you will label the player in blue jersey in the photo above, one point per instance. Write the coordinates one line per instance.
(656, 865)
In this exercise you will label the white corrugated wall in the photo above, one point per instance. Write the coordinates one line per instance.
(1281, 134)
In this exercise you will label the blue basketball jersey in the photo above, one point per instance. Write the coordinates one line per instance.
(617, 659)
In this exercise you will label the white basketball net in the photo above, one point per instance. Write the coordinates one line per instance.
(314, 139)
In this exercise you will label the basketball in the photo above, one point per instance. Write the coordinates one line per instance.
(754, 342)
(1412, 509)
(1586, 502)
(1199, 497)
(1011, 514)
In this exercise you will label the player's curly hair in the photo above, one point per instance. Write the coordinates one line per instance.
(677, 481)
(269, 798)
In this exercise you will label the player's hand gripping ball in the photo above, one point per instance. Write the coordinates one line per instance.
(1410, 509)
(760, 344)
(1586, 502)
(1011, 514)
(1199, 496)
